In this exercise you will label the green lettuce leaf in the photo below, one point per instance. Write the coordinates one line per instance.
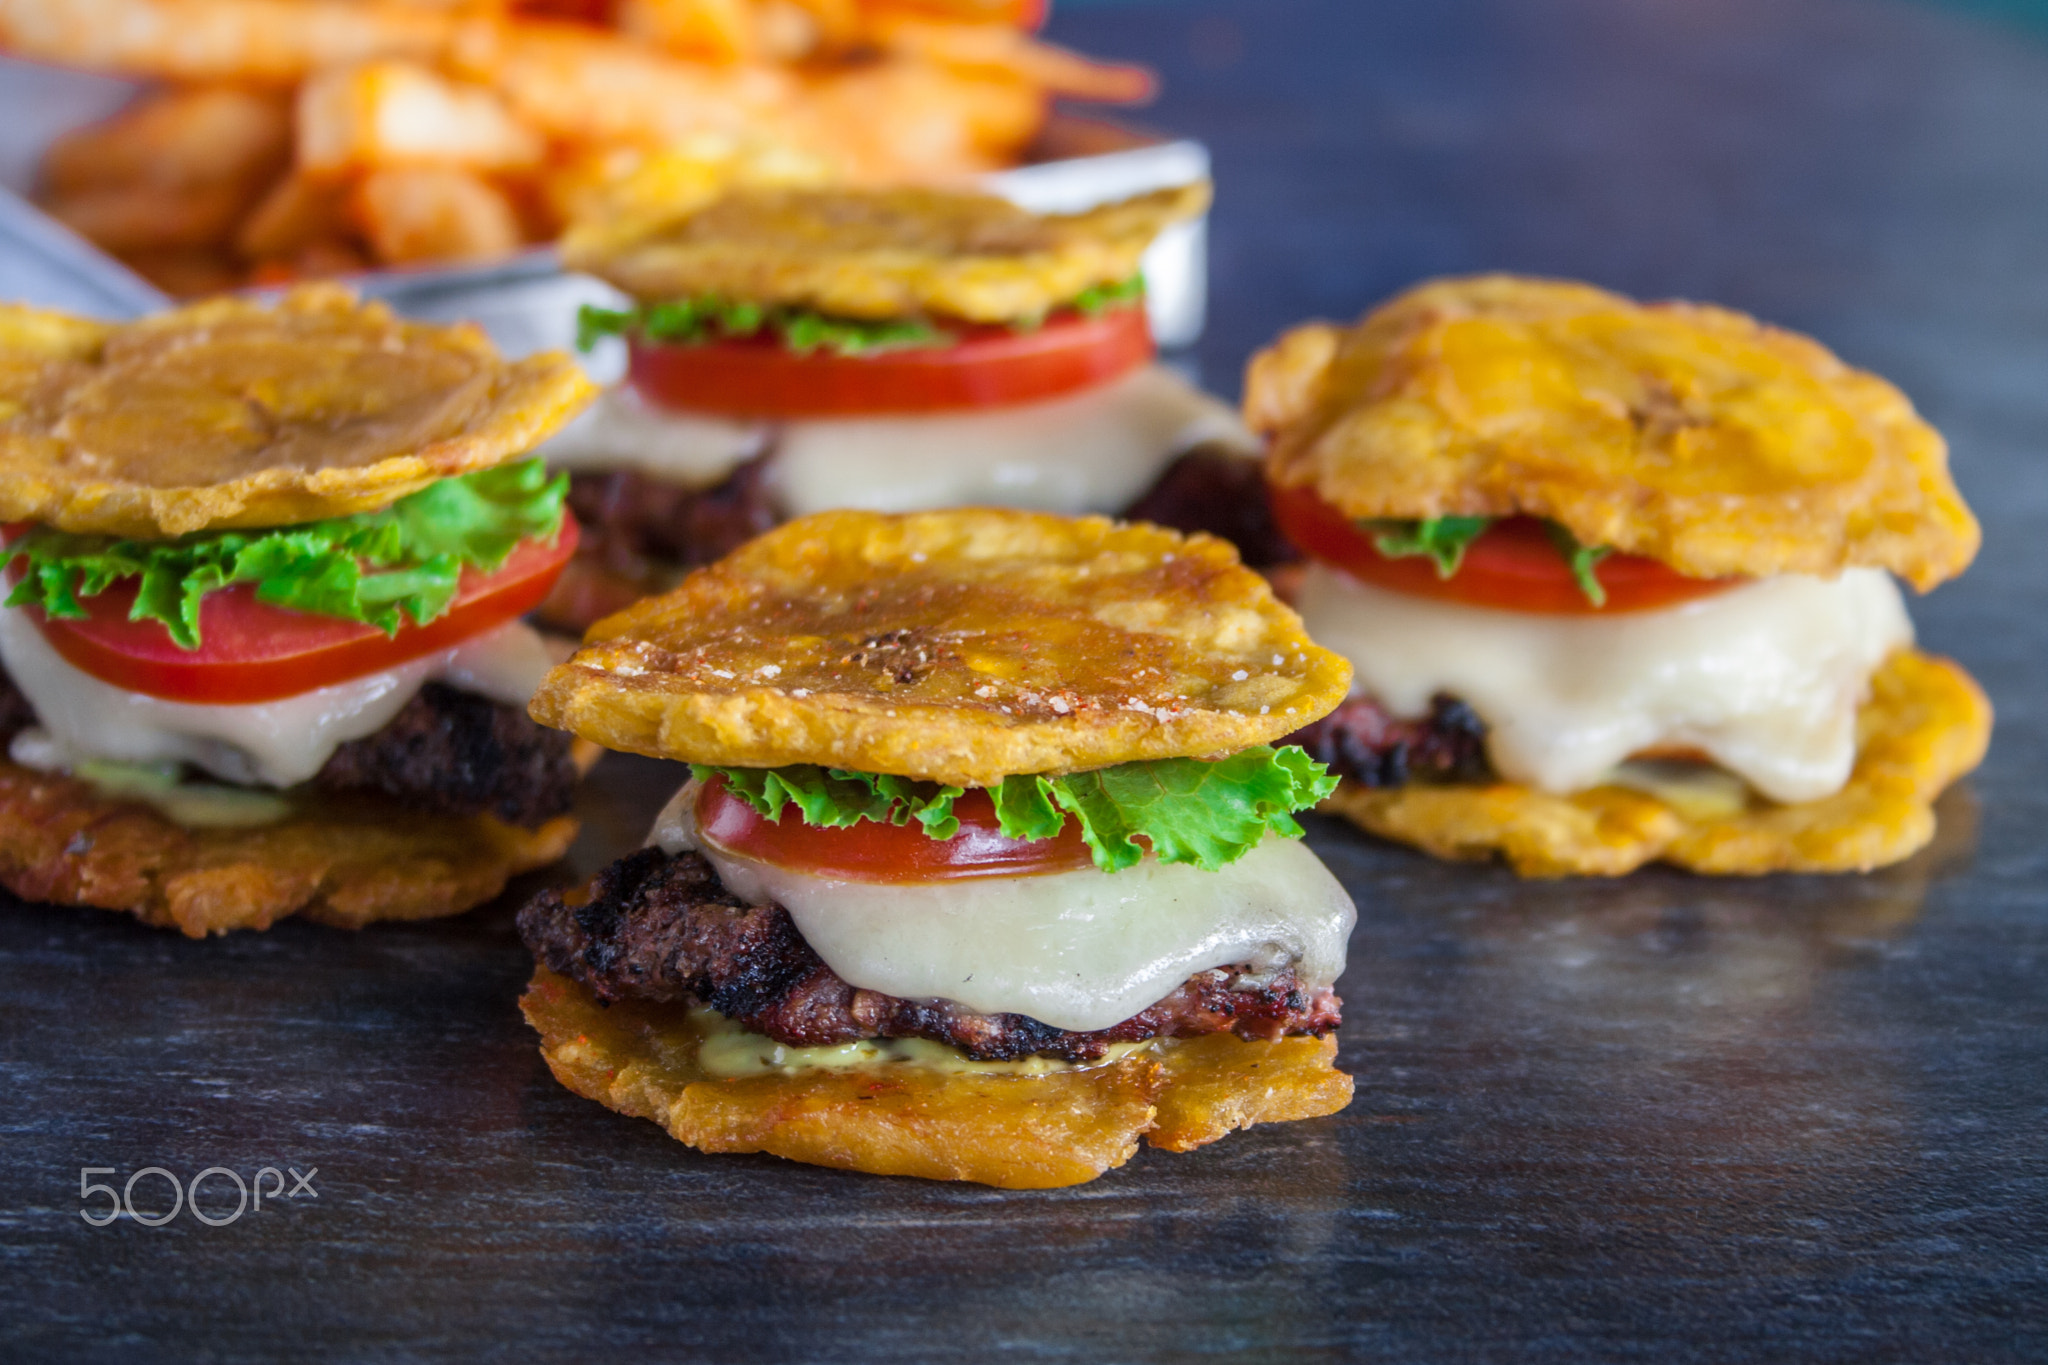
(833, 798)
(381, 568)
(1443, 539)
(1185, 810)
(1583, 559)
(693, 321)
(1103, 298)
(690, 322)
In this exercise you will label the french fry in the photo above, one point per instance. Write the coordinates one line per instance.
(433, 213)
(1024, 14)
(394, 113)
(297, 212)
(582, 178)
(573, 83)
(997, 49)
(175, 140)
(304, 137)
(910, 121)
(709, 30)
(130, 218)
(265, 42)
(798, 30)
(186, 272)
(315, 260)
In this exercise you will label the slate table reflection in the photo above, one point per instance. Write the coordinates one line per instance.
(1665, 1118)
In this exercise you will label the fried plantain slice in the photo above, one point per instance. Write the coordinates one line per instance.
(234, 413)
(1926, 724)
(958, 647)
(877, 253)
(1692, 434)
(1014, 1132)
(341, 861)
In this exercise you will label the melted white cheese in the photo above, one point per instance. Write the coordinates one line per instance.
(273, 743)
(623, 431)
(1094, 451)
(1077, 950)
(193, 804)
(1764, 678)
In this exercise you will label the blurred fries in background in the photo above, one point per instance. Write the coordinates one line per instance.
(284, 139)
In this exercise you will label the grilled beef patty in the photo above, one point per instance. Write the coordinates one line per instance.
(1213, 489)
(1360, 741)
(448, 752)
(452, 752)
(664, 928)
(632, 523)
(643, 530)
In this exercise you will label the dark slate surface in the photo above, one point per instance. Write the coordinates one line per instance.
(1667, 1119)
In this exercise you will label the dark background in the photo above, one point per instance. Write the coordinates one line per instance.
(1660, 1119)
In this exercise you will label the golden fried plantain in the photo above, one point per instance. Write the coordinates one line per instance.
(1926, 724)
(1691, 434)
(958, 647)
(1015, 1132)
(236, 413)
(341, 861)
(874, 253)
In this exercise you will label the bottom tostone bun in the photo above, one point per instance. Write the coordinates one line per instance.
(1015, 1132)
(1926, 724)
(344, 861)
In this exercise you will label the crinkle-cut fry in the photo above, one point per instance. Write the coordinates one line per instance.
(237, 413)
(265, 42)
(388, 114)
(175, 140)
(1926, 724)
(1013, 1132)
(344, 862)
(433, 213)
(958, 647)
(572, 82)
(1001, 49)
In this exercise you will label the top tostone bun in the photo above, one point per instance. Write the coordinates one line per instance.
(877, 253)
(960, 647)
(234, 413)
(1695, 435)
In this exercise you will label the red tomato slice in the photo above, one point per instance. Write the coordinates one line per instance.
(871, 852)
(251, 651)
(986, 367)
(1513, 565)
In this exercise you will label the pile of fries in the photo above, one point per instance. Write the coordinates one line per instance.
(288, 139)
